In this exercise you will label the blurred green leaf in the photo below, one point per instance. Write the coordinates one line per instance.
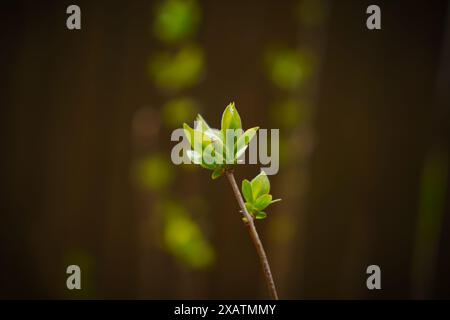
(154, 172)
(176, 20)
(177, 110)
(189, 133)
(196, 138)
(184, 238)
(244, 140)
(212, 146)
(177, 71)
(287, 68)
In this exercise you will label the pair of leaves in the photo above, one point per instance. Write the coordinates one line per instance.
(210, 147)
(256, 194)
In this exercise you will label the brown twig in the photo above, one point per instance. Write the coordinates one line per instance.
(249, 222)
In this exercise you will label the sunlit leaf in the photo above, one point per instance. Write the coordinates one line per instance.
(230, 119)
(184, 239)
(247, 190)
(244, 140)
(260, 185)
(263, 201)
(201, 123)
(288, 68)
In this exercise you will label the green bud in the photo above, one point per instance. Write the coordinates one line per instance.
(201, 123)
(230, 119)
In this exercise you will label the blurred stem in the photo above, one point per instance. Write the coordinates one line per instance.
(249, 222)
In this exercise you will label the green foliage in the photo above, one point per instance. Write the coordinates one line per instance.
(230, 119)
(209, 146)
(183, 237)
(247, 190)
(176, 20)
(256, 195)
(204, 140)
(243, 141)
(287, 68)
(154, 172)
(176, 71)
(178, 109)
(260, 185)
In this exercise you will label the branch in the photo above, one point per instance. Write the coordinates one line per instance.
(249, 222)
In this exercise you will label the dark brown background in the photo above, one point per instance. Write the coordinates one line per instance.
(67, 106)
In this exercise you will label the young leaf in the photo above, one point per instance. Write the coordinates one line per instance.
(215, 135)
(200, 122)
(261, 215)
(217, 173)
(230, 119)
(247, 190)
(262, 202)
(196, 137)
(189, 133)
(276, 200)
(246, 137)
(260, 185)
(212, 153)
(244, 140)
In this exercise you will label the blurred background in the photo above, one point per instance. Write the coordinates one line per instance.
(86, 177)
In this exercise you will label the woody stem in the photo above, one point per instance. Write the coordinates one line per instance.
(249, 222)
